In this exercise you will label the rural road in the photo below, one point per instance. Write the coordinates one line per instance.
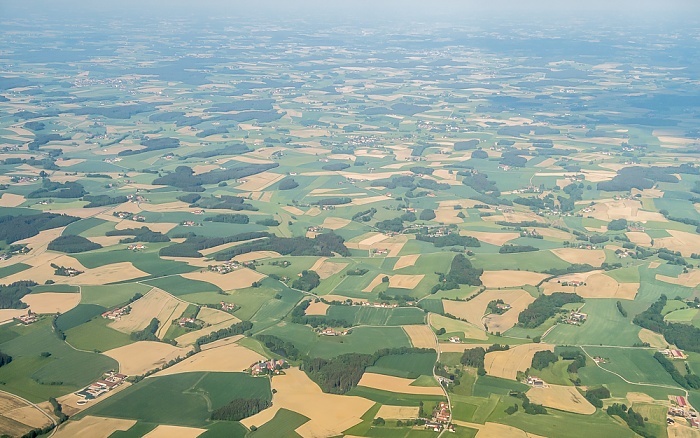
(35, 406)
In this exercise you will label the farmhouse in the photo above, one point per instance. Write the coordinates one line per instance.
(27, 319)
(227, 307)
(674, 353)
(108, 382)
(136, 247)
(184, 321)
(268, 367)
(116, 314)
(535, 382)
(455, 339)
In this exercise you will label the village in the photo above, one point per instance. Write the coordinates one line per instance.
(108, 382)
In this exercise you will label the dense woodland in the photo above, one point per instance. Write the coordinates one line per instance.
(323, 245)
(685, 336)
(544, 307)
(10, 294)
(14, 228)
(240, 408)
(72, 244)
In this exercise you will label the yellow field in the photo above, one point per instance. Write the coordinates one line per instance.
(155, 304)
(17, 417)
(51, 302)
(325, 269)
(226, 358)
(497, 239)
(7, 314)
(329, 414)
(421, 336)
(564, 398)
(138, 358)
(682, 431)
(624, 209)
(447, 215)
(237, 279)
(92, 427)
(656, 340)
(574, 255)
(495, 430)
(639, 238)
(474, 309)
(597, 285)
(165, 431)
(396, 384)
(495, 279)
(335, 223)
(398, 412)
(259, 182)
(374, 283)
(11, 200)
(405, 281)
(191, 337)
(686, 243)
(293, 210)
(406, 261)
(690, 279)
(506, 364)
(317, 308)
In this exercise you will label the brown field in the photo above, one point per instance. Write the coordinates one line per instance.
(639, 237)
(225, 358)
(166, 206)
(238, 279)
(7, 314)
(317, 308)
(204, 168)
(594, 257)
(495, 430)
(313, 211)
(398, 412)
(396, 384)
(654, 265)
(553, 232)
(325, 269)
(369, 200)
(564, 398)
(497, 239)
(373, 239)
(329, 414)
(218, 248)
(93, 427)
(447, 215)
(105, 274)
(624, 209)
(468, 331)
(691, 279)
(138, 358)
(406, 261)
(656, 340)
(376, 282)
(686, 243)
(474, 310)
(293, 210)
(51, 302)
(155, 304)
(402, 281)
(215, 316)
(167, 320)
(17, 417)
(11, 200)
(261, 181)
(421, 336)
(335, 223)
(597, 285)
(166, 431)
(506, 364)
(494, 279)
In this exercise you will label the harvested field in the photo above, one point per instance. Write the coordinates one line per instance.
(474, 310)
(401, 281)
(313, 211)
(293, 210)
(682, 431)
(51, 302)
(7, 314)
(398, 412)
(191, 337)
(168, 321)
(155, 304)
(553, 232)
(237, 279)
(369, 200)
(497, 239)
(335, 223)
(226, 358)
(165, 207)
(690, 279)
(421, 336)
(656, 340)
(564, 398)
(376, 282)
(396, 384)
(165, 431)
(654, 265)
(447, 215)
(17, 417)
(329, 414)
(406, 261)
(261, 181)
(597, 285)
(639, 397)
(594, 257)
(624, 209)
(325, 269)
(11, 200)
(106, 274)
(215, 316)
(372, 240)
(495, 430)
(506, 364)
(495, 279)
(469, 331)
(639, 238)
(93, 427)
(317, 308)
(256, 255)
(686, 243)
(143, 356)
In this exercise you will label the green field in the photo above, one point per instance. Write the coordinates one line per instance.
(363, 315)
(411, 365)
(94, 335)
(282, 425)
(635, 365)
(6, 271)
(567, 425)
(78, 315)
(393, 398)
(178, 285)
(185, 399)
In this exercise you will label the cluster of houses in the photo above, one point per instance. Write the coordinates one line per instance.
(67, 272)
(673, 353)
(455, 339)
(136, 198)
(183, 322)
(188, 223)
(573, 283)
(198, 212)
(27, 319)
(440, 418)
(271, 366)
(227, 307)
(116, 314)
(576, 318)
(224, 268)
(131, 216)
(24, 179)
(528, 189)
(315, 229)
(535, 382)
(332, 332)
(361, 140)
(136, 247)
(108, 382)
(599, 359)
(530, 233)
(112, 160)
(680, 408)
